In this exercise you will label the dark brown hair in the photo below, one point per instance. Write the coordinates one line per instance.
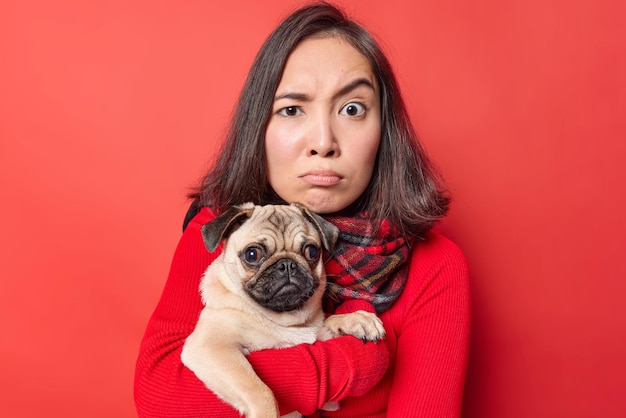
(404, 187)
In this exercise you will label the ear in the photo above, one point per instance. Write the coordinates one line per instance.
(328, 231)
(221, 227)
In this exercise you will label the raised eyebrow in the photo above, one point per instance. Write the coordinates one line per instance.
(353, 85)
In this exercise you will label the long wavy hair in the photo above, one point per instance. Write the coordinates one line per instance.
(404, 188)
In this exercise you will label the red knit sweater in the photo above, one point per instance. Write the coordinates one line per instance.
(418, 371)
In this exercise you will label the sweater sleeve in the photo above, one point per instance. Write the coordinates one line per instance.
(302, 378)
(433, 340)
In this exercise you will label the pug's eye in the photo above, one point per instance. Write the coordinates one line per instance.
(253, 255)
(311, 252)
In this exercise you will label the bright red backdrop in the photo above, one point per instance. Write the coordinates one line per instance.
(110, 110)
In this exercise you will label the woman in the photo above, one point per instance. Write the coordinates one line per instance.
(321, 121)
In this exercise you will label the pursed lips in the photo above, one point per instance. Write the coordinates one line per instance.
(322, 178)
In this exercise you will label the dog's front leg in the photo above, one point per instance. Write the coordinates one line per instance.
(214, 355)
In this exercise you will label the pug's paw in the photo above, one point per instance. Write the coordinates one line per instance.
(363, 325)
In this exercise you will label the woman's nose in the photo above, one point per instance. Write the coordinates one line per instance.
(322, 139)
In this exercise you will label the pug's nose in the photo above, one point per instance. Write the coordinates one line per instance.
(286, 265)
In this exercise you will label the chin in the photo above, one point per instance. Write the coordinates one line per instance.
(323, 202)
(325, 208)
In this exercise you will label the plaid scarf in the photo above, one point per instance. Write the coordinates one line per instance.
(366, 266)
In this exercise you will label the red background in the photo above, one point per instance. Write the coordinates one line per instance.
(110, 110)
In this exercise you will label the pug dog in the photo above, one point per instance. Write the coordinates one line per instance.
(264, 291)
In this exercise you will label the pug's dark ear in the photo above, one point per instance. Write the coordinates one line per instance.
(328, 232)
(221, 227)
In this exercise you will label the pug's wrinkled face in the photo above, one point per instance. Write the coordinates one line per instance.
(273, 253)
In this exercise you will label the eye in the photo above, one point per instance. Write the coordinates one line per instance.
(353, 109)
(311, 252)
(253, 255)
(290, 111)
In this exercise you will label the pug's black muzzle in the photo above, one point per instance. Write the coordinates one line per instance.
(283, 286)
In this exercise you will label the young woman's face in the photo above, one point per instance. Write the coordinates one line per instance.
(324, 131)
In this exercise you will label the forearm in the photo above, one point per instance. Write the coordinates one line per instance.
(325, 371)
(305, 377)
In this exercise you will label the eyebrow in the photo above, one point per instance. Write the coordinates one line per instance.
(353, 85)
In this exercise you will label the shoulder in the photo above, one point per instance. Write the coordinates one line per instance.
(204, 216)
(192, 230)
(436, 249)
(437, 262)
(438, 285)
(191, 255)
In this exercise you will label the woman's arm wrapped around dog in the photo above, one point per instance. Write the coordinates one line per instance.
(330, 370)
